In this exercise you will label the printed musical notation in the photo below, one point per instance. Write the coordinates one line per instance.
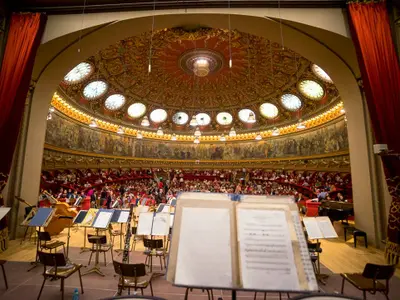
(266, 252)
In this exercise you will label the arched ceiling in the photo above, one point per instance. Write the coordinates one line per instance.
(262, 72)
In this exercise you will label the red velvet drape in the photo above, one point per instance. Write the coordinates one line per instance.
(380, 72)
(23, 41)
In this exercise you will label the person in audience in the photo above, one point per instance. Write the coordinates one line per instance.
(340, 197)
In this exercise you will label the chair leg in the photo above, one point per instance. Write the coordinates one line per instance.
(208, 294)
(62, 288)
(165, 264)
(142, 291)
(151, 288)
(80, 280)
(366, 241)
(90, 257)
(212, 294)
(280, 296)
(161, 262)
(342, 286)
(41, 289)
(5, 277)
(255, 295)
(355, 241)
(265, 296)
(105, 261)
(186, 293)
(129, 291)
(364, 295)
(288, 295)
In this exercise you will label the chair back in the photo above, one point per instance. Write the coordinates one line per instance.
(379, 272)
(52, 259)
(129, 270)
(94, 239)
(43, 236)
(153, 244)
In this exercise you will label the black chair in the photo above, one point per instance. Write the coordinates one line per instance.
(154, 248)
(59, 269)
(133, 276)
(360, 233)
(135, 238)
(2, 263)
(99, 244)
(370, 280)
(45, 242)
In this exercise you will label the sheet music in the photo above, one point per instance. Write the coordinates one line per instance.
(326, 227)
(80, 217)
(312, 227)
(143, 209)
(165, 209)
(160, 208)
(145, 223)
(4, 211)
(266, 253)
(161, 224)
(103, 218)
(171, 220)
(88, 220)
(123, 217)
(204, 248)
(204, 196)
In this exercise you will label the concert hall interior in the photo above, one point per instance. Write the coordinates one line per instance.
(111, 111)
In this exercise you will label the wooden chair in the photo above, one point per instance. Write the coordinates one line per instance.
(45, 242)
(99, 244)
(370, 280)
(133, 276)
(2, 263)
(59, 269)
(135, 238)
(154, 248)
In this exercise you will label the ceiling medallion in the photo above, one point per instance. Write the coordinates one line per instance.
(201, 62)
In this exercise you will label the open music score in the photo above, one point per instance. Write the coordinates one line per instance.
(246, 244)
(89, 218)
(153, 224)
(319, 228)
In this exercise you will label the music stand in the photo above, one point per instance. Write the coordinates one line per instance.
(87, 222)
(120, 217)
(78, 221)
(101, 221)
(40, 219)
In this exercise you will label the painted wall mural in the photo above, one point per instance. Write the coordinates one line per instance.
(68, 134)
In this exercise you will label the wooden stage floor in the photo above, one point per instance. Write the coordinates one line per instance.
(337, 257)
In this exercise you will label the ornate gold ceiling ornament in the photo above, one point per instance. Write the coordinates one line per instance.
(75, 114)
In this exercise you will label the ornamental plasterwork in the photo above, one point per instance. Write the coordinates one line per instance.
(261, 72)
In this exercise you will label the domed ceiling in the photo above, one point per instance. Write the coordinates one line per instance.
(220, 80)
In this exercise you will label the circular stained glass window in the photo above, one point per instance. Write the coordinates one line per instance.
(291, 102)
(321, 74)
(311, 89)
(158, 115)
(224, 118)
(180, 118)
(247, 116)
(79, 73)
(268, 110)
(136, 110)
(114, 102)
(95, 89)
(203, 119)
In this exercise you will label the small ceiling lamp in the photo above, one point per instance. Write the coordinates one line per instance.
(201, 67)
(258, 137)
(193, 121)
(232, 132)
(196, 141)
(93, 123)
(252, 117)
(139, 135)
(300, 125)
(342, 111)
(160, 132)
(145, 121)
(120, 130)
(49, 116)
(52, 109)
(275, 132)
(197, 132)
(222, 138)
(173, 137)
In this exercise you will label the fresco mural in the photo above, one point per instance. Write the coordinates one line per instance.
(67, 134)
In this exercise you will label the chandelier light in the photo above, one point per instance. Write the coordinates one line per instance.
(173, 137)
(301, 125)
(201, 67)
(232, 132)
(120, 130)
(196, 141)
(193, 121)
(258, 137)
(139, 135)
(49, 116)
(275, 132)
(197, 132)
(160, 132)
(222, 138)
(52, 109)
(145, 121)
(252, 117)
(93, 123)
(342, 111)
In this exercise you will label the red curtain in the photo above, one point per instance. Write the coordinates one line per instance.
(23, 40)
(380, 72)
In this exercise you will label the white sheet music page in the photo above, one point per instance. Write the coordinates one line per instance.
(123, 217)
(204, 249)
(161, 224)
(145, 223)
(312, 227)
(266, 252)
(325, 225)
(103, 219)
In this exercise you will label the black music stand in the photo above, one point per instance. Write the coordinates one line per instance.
(40, 219)
(120, 217)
